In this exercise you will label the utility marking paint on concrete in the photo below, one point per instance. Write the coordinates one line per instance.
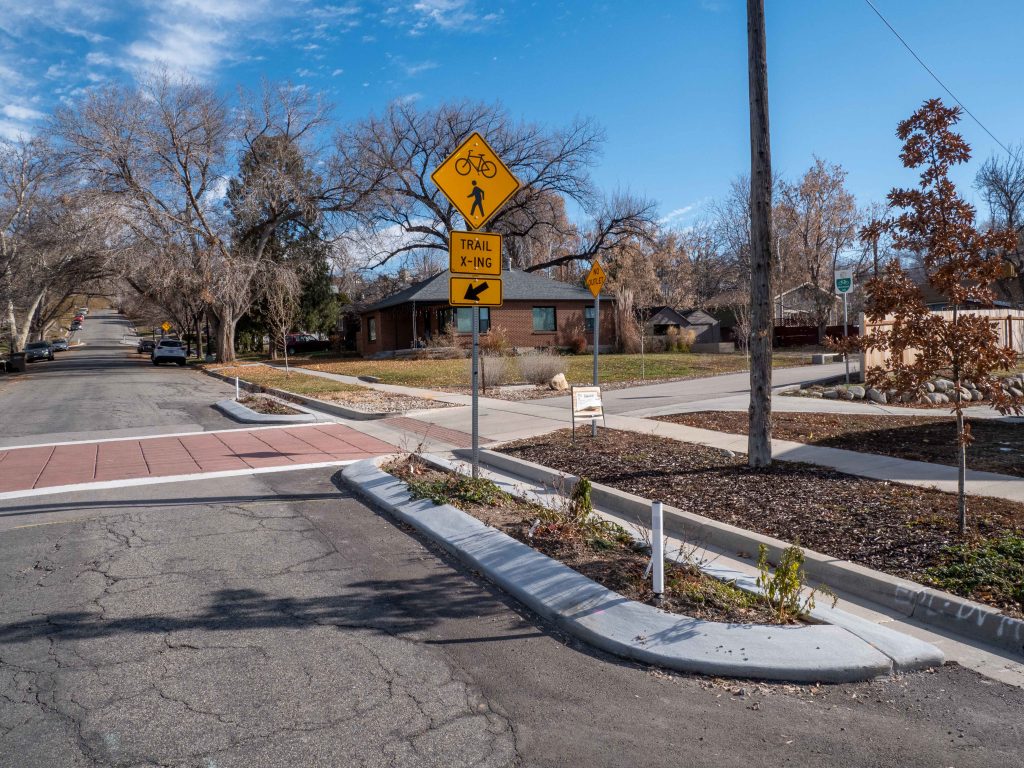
(158, 479)
(84, 465)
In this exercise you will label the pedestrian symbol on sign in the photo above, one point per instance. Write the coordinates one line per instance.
(478, 199)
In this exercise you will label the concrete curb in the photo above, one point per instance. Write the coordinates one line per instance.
(318, 405)
(826, 653)
(246, 415)
(930, 606)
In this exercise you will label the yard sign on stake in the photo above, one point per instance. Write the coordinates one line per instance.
(844, 284)
(478, 184)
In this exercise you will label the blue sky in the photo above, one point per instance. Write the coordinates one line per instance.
(667, 79)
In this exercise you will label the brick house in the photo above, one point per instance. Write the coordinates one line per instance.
(536, 312)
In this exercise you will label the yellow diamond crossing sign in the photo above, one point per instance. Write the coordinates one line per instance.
(166, 326)
(595, 278)
(475, 180)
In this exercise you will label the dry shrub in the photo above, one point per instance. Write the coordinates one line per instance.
(573, 335)
(494, 370)
(495, 342)
(679, 339)
(625, 321)
(540, 367)
(448, 338)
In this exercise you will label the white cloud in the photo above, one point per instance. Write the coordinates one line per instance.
(337, 72)
(98, 59)
(414, 69)
(18, 112)
(675, 214)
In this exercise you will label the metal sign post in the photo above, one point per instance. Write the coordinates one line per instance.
(595, 282)
(476, 393)
(597, 335)
(844, 284)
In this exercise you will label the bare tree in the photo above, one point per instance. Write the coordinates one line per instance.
(159, 152)
(389, 159)
(821, 218)
(1001, 181)
(279, 288)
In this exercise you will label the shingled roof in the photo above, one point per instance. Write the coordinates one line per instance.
(518, 286)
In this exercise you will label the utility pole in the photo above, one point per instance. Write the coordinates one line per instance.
(759, 442)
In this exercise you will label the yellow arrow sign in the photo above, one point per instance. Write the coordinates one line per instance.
(595, 278)
(471, 292)
(475, 180)
(166, 326)
(474, 253)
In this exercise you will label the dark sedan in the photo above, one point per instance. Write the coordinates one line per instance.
(304, 343)
(38, 350)
(60, 345)
(145, 346)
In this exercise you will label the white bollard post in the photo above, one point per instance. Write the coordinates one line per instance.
(657, 549)
(236, 389)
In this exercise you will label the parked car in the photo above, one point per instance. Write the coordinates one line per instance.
(76, 326)
(38, 350)
(145, 346)
(301, 343)
(60, 345)
(169, 351)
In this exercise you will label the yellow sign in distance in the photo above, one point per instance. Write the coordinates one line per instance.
(595, 278)
(474, 292)
(474, 253)
(475, 180)
(166, 326)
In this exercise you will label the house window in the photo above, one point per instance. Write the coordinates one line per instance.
(464, 319)
(371, 329)
(588, 319)
(543, 319)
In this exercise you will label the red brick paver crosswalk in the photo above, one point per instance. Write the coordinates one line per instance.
(23, 469)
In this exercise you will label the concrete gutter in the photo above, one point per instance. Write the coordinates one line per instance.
(607, 620)
(246, 415)
(929, 606)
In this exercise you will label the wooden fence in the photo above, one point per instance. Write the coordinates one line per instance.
(1008, 323)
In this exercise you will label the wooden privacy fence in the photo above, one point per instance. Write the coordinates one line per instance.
(1008, 323)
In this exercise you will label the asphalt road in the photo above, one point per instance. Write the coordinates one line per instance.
(276, 621)
(105, 389)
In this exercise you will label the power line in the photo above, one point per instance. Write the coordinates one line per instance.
(936, 77)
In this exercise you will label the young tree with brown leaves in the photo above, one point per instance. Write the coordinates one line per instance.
(959, 261)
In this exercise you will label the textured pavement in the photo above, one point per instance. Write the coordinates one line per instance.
(85, 462)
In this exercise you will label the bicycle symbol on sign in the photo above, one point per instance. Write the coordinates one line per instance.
(484, 167)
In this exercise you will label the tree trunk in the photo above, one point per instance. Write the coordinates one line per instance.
(961, 478)
(225, 322)
(26, 328)
(759, 442)
(12, 326)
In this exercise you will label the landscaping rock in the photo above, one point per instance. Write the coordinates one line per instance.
(942, 385)
(965, 395)
(977, 395)
(877, 397)
(558, 382)
(830, 394)
(929, 386)
(1016, 392)
(891, 394)
(857, 392)
(846, 395)
(909, 397)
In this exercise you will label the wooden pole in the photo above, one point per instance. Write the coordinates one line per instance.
(759, 443)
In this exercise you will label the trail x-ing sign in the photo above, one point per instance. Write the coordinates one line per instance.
(474, 292)
(474, 253)
(475, 180)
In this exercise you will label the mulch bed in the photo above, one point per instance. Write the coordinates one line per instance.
(615, 564)
(264, 404)
(998, 445)
(893, 528)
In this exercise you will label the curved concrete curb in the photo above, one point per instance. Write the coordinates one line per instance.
(318, 405)
(246, 415)
(930, 606)
(613, 623)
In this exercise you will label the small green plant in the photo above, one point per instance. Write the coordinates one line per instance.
(454, 488)
(580, 503)
(991, 569)
(783, 588)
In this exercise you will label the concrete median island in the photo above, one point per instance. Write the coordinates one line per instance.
(810, 652)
